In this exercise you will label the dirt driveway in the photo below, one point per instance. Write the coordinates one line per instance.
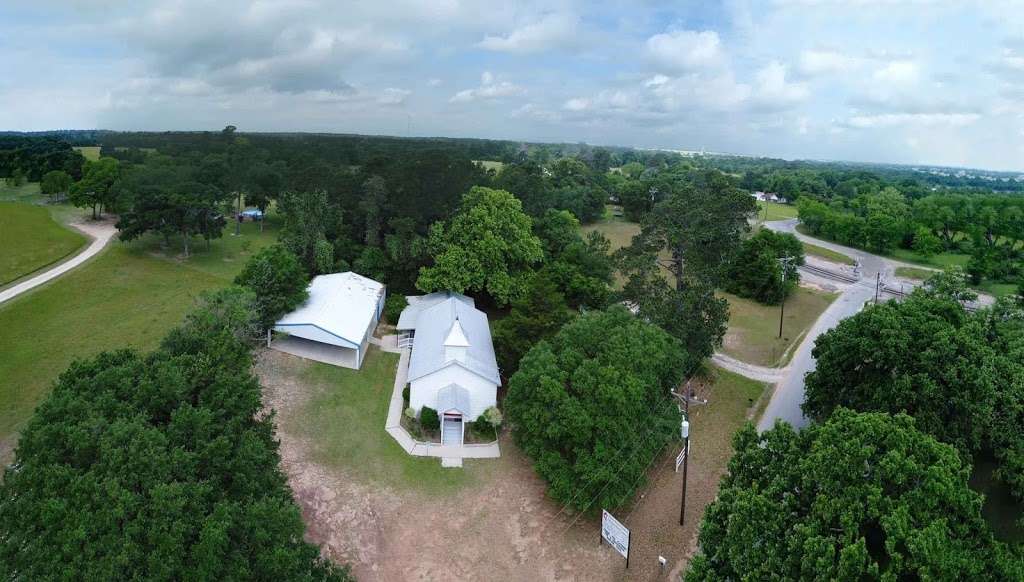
(501, 528)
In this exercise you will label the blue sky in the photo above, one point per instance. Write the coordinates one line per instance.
(908, 81)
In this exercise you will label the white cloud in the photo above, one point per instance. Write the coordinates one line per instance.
(435, 82)
(898, 72)
(827, 62)
(900, 119)
(577, 104)
(551, 31)
(392, 96)
(490, 88)
(773, 90)
(680, 51)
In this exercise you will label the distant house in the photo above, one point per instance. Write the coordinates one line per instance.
(769, 197)
(452, 367)
(335, 324)
(759, 196)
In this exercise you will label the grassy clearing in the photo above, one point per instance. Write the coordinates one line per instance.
(769, 211)
(828, 254)
(940, 261)
(914, 273)
(31, 240)
(91, 153)
(753, 333)
(27, 192)
(126, 297)
(344, 420)
(490, 164)
(618, 230)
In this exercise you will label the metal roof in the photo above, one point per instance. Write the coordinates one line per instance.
(453, 397)
(418, 303)
(342, 304)
(433, 326)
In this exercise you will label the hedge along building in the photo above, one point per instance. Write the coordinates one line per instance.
(452, 367)
(336, 322)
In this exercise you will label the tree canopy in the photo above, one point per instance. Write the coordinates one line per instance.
(860, 496)
(591, 406)
(158, 467)
(277, 280)
(758, 273)
(487, 246)
(956, 373)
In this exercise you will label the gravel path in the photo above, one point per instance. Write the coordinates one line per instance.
(99, 231)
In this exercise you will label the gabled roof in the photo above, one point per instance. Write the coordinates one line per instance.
(435, 324)
(419, 303)
(342, 304)
(456, 337)
(453, 397)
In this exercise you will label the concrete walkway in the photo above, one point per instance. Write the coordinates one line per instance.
(99, 231)
(451, 456)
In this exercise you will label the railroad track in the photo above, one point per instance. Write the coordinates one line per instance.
(829, 274)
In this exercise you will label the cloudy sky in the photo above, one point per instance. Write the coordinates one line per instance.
(911, 81)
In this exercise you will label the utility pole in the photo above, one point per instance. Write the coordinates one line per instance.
(784, 261)
(685, 431)
(878, 283)
(238, 214)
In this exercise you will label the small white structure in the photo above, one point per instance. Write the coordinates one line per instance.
(452, 367)
(335, 324)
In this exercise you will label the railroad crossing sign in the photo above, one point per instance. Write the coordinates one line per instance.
(682, 456)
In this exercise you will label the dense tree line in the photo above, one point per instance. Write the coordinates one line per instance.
(158, 466)
(28, 159)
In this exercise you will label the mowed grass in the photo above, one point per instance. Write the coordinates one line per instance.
(344, 420)
(914, 273)
(91, 153)
(769, 211)
(828, 254)
(490, 164)
(32, 240)
(753, 333)
(126, 297)
(27, 192)
(731, 399)
(618, 230)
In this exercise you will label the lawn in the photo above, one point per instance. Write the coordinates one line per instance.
(618, 230)
(914, 273)
(827, 254)
(91, 153)
(127, 296)
(490, 164)
(344, 420)
(769, 211)
(753, 333)
(27, 192)
(31, 240)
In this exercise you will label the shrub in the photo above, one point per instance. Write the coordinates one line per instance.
(410, 413)
(492, 416)
(405, 394)
(393, 307)
(429, 419)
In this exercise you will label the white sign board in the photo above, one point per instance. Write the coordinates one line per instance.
(615, 533)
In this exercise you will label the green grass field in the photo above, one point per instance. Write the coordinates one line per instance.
(769, 211)
(753, 334)
(91, 153)
(32, 240)
(828, 254)
(345, 422)
(490, 164)
(27, 192)
(126, 297)
(914, 273)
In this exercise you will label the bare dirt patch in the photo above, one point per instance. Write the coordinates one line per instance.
(500, 526)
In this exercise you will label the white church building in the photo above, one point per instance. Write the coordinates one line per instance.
(452, 367)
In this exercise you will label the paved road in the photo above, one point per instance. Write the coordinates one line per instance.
(100, 232)
(789, 391)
